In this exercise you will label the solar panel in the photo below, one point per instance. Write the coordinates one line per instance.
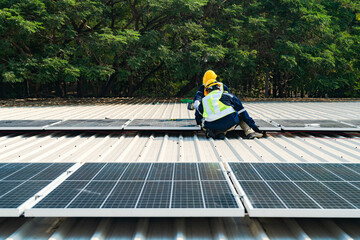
(143, 189)
(355, 122)
(89, 124)
(319, 172)
(342, 172)
(162, 124)
(21, 182)
(187, 194)
(313, 125)
(269, 171)
(244, 171)
(309, 190)
(25, 124)
(211, 171)
(155, 195)
(264, 125)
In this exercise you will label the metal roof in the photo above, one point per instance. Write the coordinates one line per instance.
(149, 109)
(178, 228)
(160, 146)
(171, 147)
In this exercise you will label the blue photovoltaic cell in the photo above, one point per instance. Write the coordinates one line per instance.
(355, 167)
(260, 195)
(161, 171)
(136, 171)
(124, 195)
(187, 194)
(93, 195)
(318, 172)
(211, 171)
(61, 196)
(347, 191)
(6, 186)
(186, 171)
(21, 194)
(11, 168)
(342, 172)
(156, 195)
(86, 171)
(244, 171)
(294, 172)
(324, 196)
(292, 196)
(217, 194)
(28, 172)
(269, 171)
(112, 171)
(52, 172)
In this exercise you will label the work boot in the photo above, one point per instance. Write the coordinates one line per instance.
(220, 136)
(254, 135)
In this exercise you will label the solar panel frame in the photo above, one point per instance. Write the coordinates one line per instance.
(30, 125)
(292, 212)
(89, 124)
(111, 209)
(313, 125)
(162, 124)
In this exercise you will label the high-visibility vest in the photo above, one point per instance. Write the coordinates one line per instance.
(213, 108)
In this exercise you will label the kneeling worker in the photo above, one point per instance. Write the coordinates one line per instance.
(222, 112)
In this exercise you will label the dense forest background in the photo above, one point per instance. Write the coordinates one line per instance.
(161, 48)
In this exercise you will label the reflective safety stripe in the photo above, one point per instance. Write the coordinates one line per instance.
(213, 108)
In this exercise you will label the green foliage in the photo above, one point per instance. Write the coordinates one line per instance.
(162, 48)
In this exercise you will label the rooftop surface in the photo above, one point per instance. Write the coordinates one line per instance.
(169, 146)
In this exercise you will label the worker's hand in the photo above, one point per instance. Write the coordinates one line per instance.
(196, 104)
(190, 106)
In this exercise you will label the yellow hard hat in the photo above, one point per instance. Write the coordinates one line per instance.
(210, 74)
(209, 86)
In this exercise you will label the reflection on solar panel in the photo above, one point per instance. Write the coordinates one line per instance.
(143, 189)
(264, 125)
(162, 124)
(313, 125)
(298, 190)
(355, 122)
(21, 181)
(89, 124)
(25, 124)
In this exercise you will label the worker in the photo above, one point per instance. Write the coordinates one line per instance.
(210, 74)
(222, 112)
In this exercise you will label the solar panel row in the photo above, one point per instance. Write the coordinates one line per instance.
(175, 124)
(282, 189)
(166, 186)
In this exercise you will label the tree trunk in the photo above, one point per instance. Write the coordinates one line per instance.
(267, 84)
(80, 85)
(27, 87)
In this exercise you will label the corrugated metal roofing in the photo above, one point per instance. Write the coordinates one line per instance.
(178, 228)
(172, 147)
(146, 109)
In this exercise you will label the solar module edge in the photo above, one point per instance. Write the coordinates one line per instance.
(135, 212)
(304, 213)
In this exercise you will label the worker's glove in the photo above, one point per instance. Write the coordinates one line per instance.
(256, 129)
(196, 104)
(190, 106)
